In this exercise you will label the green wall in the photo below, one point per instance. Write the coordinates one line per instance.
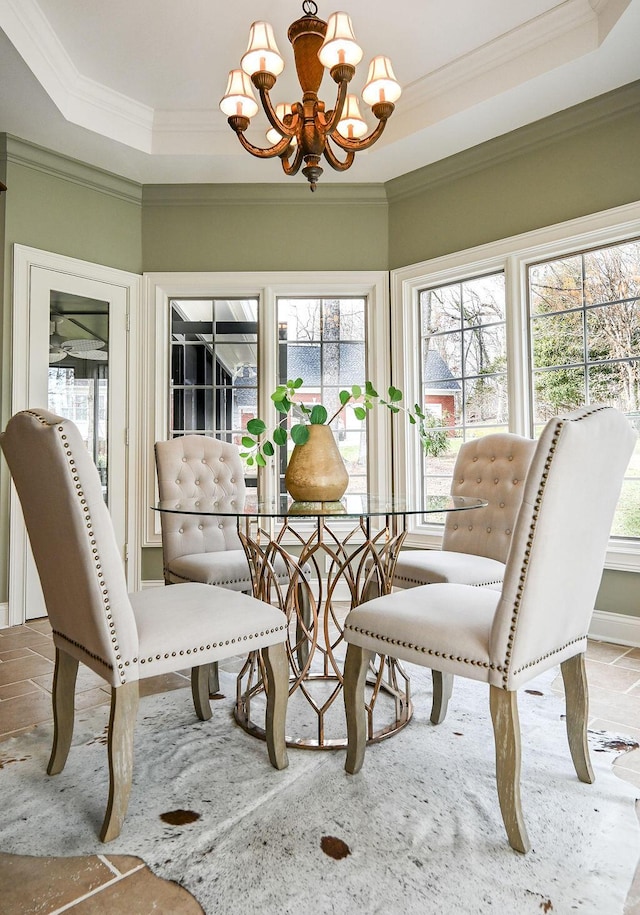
(576, 162)
(67, 207)
(264, 227)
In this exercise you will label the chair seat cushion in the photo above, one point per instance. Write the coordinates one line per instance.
(226, 568)
(425, 567)
(229, 618)
(442, 626)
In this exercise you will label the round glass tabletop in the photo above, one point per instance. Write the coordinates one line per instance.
(350, 506)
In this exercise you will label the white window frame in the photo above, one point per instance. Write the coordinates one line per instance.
(267, 287)
(512, 256)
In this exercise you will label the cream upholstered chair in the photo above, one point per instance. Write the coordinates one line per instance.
(205, 548)
(475, 546)
(122, 637)
(540, 617)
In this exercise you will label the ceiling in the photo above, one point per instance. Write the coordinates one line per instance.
(133, 86)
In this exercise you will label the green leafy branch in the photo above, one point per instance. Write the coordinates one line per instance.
(259, 445)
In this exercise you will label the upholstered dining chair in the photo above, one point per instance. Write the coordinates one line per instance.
(205, 548)
(123, 637)
(475, 546)
(537, 620)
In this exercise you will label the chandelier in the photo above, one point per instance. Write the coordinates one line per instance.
(304, 131)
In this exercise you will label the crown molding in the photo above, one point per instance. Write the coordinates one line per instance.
(206, 195)
(569, 30)
(21, 152)
(536, 135)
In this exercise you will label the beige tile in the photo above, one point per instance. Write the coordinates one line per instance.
(142, 893)
(14, 653)
(22, 638)
(40, 625)
(24, 669)
(162, 684)
(11, 734)
(92, 697)
(605, 651)
(620, 708)
(40, 885)
(627, 661)
(610, 676)
(19, 688)
(627, 775)
(629, 760)
(46, 649)
(26, 710)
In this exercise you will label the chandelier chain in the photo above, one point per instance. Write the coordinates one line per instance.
(309, 7)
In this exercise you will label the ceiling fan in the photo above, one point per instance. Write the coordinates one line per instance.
(82, 348)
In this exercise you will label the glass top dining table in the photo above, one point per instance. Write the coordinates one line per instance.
(316, 561)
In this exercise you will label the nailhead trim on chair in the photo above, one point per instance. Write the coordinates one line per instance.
(187, 651)
(96, 556)
(424, 649)
(227, 581)
(95, 657)
(527, 552)
(549, 654)
(418, 581)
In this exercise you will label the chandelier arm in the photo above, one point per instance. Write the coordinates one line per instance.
(277, 150)
(272, 117)
(330, 120)
(294, 167)
(358, 145)
(333, 160)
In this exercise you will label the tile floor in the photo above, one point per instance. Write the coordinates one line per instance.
(117, 884)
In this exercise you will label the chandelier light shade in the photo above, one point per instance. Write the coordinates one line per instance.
(305, 131)
(239, 100)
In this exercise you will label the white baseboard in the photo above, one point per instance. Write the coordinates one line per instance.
(4, 615)
(152, 583)
(615, 627)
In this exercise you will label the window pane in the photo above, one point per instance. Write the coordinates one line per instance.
(555, 286)
(214, 369)
(464, 360)
(601, 288)
(612, 274)
(557, 340)
(322, 341)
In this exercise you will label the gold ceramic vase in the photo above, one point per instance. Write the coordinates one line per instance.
(316, 471)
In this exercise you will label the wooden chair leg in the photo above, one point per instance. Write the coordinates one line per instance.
(356, 666)
(442, 689)
(277, 666)
(214, 681)
(576, 692)
(506, 731)
(124, 706)
(63, 693)
(200, 686)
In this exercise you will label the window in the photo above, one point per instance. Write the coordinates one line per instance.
(585, 345)
(515, 332)
(214, 367)
(322, 341)
(218, 344)
(463, 383)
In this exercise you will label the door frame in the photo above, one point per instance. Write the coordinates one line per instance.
(26, 260)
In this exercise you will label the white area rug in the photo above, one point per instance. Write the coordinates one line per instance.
(420, 823)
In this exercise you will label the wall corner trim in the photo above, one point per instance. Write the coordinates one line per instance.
(615, 627)
(29, 155)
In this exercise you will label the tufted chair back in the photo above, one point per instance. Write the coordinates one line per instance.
(494, 468)
(73, 542)
(559, 542)
(196, 466)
